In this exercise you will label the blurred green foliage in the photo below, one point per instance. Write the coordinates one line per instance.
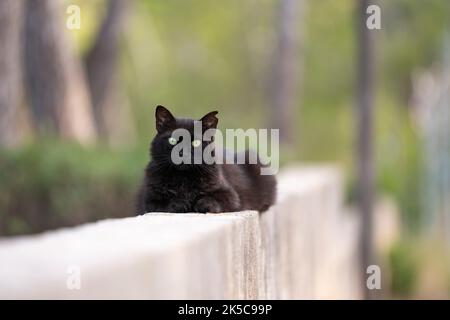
(50, 184)
(404, 268)
(196, 56)
(419, 268)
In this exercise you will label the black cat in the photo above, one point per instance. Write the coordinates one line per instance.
(170, 187)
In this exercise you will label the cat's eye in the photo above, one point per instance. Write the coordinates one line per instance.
(172, 141)
(196, 143)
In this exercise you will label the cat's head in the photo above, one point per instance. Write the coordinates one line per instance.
(167, 139)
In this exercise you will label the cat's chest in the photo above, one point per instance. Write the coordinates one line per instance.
(182, 187)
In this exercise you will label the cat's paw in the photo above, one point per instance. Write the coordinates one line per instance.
(205, 205)
(178, 207)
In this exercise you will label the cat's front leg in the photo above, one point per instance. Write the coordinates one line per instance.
(155, 206)
(207, 204)
(178, 206)
(172, 206)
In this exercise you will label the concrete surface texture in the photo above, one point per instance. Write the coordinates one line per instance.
(304, 247)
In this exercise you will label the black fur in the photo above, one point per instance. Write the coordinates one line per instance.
(199, 187)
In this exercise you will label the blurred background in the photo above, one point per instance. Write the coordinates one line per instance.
(77, 101)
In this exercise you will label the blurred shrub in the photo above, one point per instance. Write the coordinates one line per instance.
(404, 269)
(420, 268)
(52, 184)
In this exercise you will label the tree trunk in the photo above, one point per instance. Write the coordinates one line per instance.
(56, 85)
(286, 67)
(110, 109)
(10, 71)
(365, 166)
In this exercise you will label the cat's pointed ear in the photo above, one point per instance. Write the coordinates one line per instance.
(164, 119)
(210, 120)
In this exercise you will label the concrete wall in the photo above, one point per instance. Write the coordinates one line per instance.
(303, 247)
